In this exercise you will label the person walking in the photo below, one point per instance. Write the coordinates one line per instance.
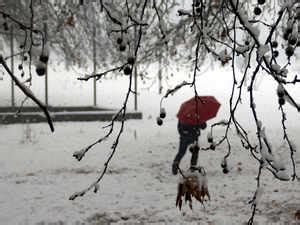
(192, 117)
(189, 135)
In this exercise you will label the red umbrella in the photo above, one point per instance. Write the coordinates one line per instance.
(198, 110)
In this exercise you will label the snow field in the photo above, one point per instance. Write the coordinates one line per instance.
(38, 176)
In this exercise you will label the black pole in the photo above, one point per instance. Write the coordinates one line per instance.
(46, 73)
(95, 64)
(12, 66)
(135, 77)
(135, 89)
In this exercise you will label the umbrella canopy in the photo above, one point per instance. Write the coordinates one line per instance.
(198, 110)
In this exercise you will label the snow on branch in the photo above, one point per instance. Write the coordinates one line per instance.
(100, 75)
(121, 113)
(28, 93)
(176, 88)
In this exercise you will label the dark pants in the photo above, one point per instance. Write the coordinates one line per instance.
(188, 135)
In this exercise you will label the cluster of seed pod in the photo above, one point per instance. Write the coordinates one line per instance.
(127, 70)
(224, 166)
(43, 58)
(197, 5)
(280, 94)
(42, 64)
(292, 32)
(162, 115)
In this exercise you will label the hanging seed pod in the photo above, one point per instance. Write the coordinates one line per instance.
(162, 113)
(274, 44)
(289, 51)
(44, 58)
(159, 121)
(127, 70)
(130, 60)
(41, 69)
(280, 91)
(257, 11)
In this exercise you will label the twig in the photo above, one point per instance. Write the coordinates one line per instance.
(28, 93)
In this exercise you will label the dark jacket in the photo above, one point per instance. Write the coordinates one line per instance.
(187, 130)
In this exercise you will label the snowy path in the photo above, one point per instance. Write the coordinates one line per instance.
(38, 176)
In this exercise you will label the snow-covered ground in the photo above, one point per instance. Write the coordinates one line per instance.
(38, 174)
